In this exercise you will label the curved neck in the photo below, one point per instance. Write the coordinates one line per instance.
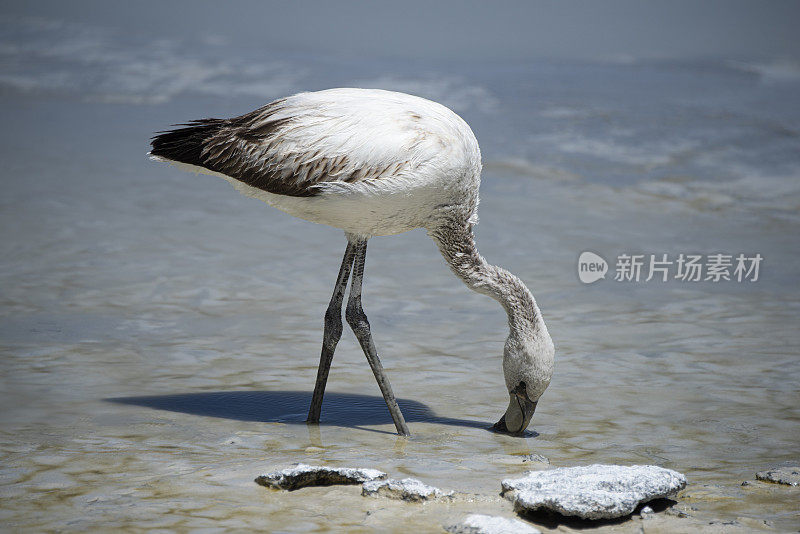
(457, 245)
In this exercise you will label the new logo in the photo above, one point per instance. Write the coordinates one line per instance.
(591, 267)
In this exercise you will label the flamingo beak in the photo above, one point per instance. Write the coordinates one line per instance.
(518, 414)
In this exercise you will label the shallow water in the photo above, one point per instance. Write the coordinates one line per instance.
(161, 333)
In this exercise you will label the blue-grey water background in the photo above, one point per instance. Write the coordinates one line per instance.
(160, 333)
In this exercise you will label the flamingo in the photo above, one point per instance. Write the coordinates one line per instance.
(373, 163)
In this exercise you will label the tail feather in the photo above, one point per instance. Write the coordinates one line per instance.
(185, 144)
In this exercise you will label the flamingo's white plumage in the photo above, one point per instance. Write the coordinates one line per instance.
(373, 162)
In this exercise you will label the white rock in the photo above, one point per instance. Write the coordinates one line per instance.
(303, 475)
(781, 475)
(593, 491)
(490, 524)
(408, 489)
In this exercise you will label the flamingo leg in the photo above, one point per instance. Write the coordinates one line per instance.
(357, 320)
(332, 333)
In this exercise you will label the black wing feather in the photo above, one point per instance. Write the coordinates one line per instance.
(234, 147)
(186, 144)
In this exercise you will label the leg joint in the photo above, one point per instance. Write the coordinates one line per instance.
(333, 317)
(356, 318)
(333, 327)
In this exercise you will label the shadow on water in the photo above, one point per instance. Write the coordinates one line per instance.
(341, 409)
(554, 520)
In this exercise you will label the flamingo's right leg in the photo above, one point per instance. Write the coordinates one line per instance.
(332, 332)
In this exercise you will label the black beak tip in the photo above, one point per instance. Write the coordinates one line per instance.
(500, 426)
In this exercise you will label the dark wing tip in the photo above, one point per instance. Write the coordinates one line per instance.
(185, 144)
(232, 147)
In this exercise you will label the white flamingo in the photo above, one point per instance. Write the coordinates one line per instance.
(372, 163)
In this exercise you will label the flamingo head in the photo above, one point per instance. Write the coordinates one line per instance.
(528, 367)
